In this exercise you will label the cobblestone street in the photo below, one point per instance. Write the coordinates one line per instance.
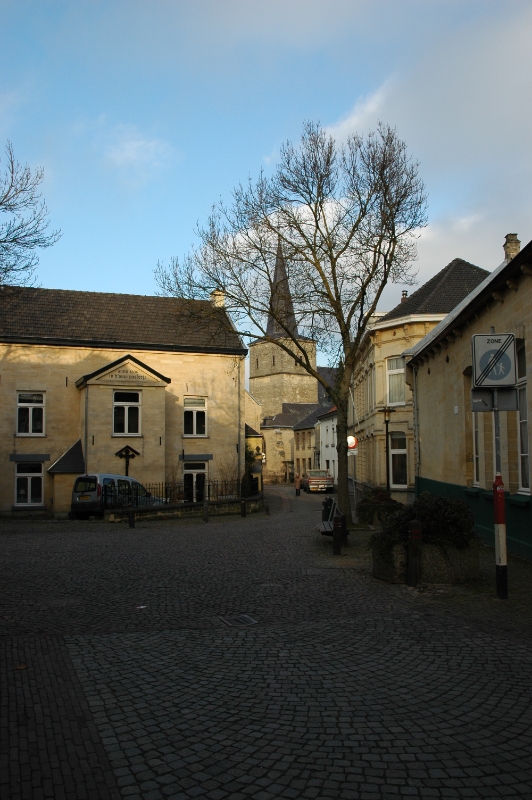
(240, 660)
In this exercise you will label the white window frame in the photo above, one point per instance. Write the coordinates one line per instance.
(398, 451)
(522, 393)
(125, 404)
(28, 476)
(30, 407)
(395, 372)
(201, 405)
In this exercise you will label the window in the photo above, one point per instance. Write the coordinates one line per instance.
(273, 361)
(195, 417)
(297, 466)
(310, 463)
(309, 439)
(28, 484)
(524, 464)
(398, 460)
(476, 450)
(126, 413)
(297, 441)
(396, 381)
(30, 413)
(257, 360)
(369, 389)
(332, 435)
(327, 436)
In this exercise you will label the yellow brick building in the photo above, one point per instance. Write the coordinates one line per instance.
(85, 374)
(382, 415)
(455, 447)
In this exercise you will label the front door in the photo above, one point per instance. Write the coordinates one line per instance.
(194, 481)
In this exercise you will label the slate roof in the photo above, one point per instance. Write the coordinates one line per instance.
(476, 301)
(251, 431)
(291, 414)
(281, 301)
(441, 293)
(331, 412)
(329, 373)
(308, 421)
(70, 462)
(65, 317)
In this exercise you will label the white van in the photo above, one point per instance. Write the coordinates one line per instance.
(92, 494)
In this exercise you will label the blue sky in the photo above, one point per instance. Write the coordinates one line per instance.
(145, 112)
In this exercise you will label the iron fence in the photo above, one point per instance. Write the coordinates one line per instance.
(172, 493)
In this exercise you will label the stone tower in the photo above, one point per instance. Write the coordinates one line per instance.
(274, 377)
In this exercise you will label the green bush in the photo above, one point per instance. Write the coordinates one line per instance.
(446, 521)
(376, 502)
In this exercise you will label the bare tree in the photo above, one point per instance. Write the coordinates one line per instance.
(346, 217)
(24, 231)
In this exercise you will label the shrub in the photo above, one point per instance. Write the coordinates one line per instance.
(376, 502)
(446, 521)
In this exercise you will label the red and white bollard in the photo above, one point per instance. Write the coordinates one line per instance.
(501, 558)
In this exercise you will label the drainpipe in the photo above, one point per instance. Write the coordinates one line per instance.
(238, 447)
(86, 430)
(417, 452)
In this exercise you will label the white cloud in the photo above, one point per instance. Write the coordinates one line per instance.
(462, 105)
(131, 150)
(364, 114)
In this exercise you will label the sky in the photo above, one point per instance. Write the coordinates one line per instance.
(143, 113)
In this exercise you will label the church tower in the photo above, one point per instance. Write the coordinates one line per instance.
(274, 376)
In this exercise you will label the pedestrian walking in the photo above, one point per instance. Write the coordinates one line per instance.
(297, 484)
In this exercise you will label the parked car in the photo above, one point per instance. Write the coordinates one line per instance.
(92, 494)
(317, 480)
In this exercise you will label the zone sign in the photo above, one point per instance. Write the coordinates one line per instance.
(493, 360)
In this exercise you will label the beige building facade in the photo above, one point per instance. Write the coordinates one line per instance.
(381, 413)
(76, 392)
(454, 446)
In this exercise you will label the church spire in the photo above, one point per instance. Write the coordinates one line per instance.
(281, 301)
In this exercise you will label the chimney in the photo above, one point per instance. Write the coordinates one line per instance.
(511, 246)
(404, 295)
(218, 298)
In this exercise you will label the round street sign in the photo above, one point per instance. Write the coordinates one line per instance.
(352, 442)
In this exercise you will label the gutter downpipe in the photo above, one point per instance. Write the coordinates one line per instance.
(238, 446)
(417, 452)
(86, 430)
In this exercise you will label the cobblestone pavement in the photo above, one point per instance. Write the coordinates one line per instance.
(238, 659)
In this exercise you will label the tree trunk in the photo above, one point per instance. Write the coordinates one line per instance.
(344, 500)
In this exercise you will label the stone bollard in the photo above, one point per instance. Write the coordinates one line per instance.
(337, 535)
(415, 549)
(206, 511)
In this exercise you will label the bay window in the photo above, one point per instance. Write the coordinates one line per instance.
(396, 381)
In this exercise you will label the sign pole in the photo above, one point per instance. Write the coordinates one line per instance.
(499, 513)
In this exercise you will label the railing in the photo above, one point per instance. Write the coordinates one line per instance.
(174, 493)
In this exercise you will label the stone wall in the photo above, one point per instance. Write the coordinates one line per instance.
(275, 379)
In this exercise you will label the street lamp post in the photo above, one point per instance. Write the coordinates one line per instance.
(387, 411)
